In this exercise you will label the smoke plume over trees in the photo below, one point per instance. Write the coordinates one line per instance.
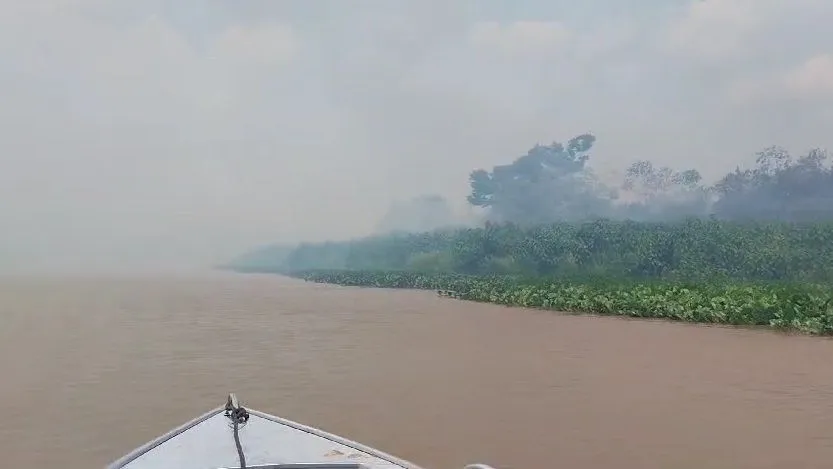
(555, 182)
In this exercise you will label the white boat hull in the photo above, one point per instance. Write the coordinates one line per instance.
(266, 441)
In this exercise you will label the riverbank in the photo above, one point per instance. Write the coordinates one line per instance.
(803, 308)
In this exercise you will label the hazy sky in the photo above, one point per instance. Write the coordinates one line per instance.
(158, 132)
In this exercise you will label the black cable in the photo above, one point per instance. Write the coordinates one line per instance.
(240, 454)
(239, 416)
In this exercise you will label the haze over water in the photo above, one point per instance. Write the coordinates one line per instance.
(93, 367)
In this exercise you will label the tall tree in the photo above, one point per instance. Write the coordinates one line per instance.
(551, 182)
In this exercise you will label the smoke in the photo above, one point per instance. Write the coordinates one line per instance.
(557, 182)
(423, 213)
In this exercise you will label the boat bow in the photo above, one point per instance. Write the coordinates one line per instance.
(233, 437)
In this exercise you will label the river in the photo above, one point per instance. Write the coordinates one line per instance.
(93, 367)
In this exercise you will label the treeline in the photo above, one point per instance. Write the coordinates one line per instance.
(754, 248)
(690, 250)
(550, 216)
(556, 182)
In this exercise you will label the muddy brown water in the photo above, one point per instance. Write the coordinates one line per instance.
(92, 367)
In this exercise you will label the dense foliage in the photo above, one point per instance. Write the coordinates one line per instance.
(699, 270)
(805, 308)
(690, 250)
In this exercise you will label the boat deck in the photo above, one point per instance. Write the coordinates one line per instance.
(267, 441)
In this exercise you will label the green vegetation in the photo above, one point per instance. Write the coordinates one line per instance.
(691, 250)
(764, 274)
(752, 249)
(803, 308)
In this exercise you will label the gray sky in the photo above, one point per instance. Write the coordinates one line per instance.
(164, 133)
